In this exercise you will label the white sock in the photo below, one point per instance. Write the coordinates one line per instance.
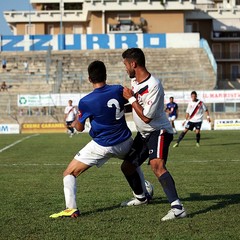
(70, 188)
(141, 175)
(140, 196)
(176, 202)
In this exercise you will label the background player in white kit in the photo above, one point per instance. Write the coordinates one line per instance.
(69, 116)
(104, 107)
(194, 118)
(154, 133)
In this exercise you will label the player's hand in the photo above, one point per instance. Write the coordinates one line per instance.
(209, 120)
(183, 123)
(127, 93)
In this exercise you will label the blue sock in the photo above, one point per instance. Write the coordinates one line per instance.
(168, 185)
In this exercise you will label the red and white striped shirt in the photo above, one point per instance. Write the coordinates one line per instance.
(196, 111)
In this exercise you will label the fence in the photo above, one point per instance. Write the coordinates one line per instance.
(53, 104)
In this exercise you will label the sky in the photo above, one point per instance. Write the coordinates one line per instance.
(7, 5)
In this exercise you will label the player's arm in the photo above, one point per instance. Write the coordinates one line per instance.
(65, 117)
(177, 113)
(186, 118)
(208, 116)
(128, 94)
(80, 118)
(167, 109)
(207, 112)
(77, 125)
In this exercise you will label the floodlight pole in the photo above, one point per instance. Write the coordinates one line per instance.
(61, 23)
(30, 21)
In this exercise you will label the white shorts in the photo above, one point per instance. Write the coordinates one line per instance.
(172, 118)
(95, 154)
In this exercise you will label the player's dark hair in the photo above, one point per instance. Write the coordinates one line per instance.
(97, 72)
(171, 98)
(194, 92)
(135, 54)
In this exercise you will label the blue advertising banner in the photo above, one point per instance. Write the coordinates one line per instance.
(21, 43)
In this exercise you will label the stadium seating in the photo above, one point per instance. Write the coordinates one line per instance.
(66, 72)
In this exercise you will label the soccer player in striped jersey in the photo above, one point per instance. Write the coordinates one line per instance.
(154, 133)
(194, 118)
(69, 115)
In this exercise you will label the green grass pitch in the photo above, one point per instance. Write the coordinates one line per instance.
(207, 179)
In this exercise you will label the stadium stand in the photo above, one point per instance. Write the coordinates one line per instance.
(66, 72)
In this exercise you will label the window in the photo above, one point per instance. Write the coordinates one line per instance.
(237, 107)
(50, 6)
(124, 16)
(73, 6)
(217, 50)
(50, 29)
(235, 72)
(219, 107)
(192, 26)
(30, 29)
(229, 107)
(234, 50)
(219, 72)
(77, 29)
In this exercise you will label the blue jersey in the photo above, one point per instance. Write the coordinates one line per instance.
(173, 107)
(105, 109)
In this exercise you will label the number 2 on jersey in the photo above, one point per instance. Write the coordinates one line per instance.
(113, 102)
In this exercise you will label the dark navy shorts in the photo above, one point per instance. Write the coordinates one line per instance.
(68, 123)
(191, 125)
(154, 146)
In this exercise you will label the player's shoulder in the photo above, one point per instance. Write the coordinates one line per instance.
(115, 86)
(154, 81)
(114, 89)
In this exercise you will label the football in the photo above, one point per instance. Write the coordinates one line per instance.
(149, 188)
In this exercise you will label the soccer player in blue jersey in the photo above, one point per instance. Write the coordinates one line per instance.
(104, 107)
(172, 110)
(154, 133)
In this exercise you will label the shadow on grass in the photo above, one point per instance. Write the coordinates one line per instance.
(205, 145)
(225, 144)
(110, 208)
(222, 202)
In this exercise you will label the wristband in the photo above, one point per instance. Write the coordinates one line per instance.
(132, 99)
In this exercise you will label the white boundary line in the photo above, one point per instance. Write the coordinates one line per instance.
(15, 143)
(109, 163)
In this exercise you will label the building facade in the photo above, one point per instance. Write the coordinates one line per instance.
(217, 21)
